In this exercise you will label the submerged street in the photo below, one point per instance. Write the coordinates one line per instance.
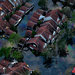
(37, 62)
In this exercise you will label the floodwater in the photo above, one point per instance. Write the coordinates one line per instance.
(63, 63)
(22, 26)
(36, 63)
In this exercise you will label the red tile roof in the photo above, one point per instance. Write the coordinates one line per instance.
(8, 31)
(33, 19)
(15, 69)
(23, 40)
(19, 12)
(7, 5)
(12, 21)
(28, 4)
(16, 17)
(4, 23)
(36, 41)
(44, 32)
(23, 8)
(31, 24)
(28, 33)
(48, 26)
(36, 15)
(4, 63)
(53, 24)
(40, 11)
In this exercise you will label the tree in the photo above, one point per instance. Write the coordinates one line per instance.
(42, 4)
(73, 17)
(13, 28)
(33, 33)
(5, 51)
(67, 11)
(14, 38)
(36, 72)
(17, 55)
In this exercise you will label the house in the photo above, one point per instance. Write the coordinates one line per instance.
(19, 13)
(28, 33)
(23, 8)
(4, 24)
(12, 21)
(56, 16)
(11, 68)
(31, 25)
(33, 19)
(40, 11)
(8, 31)
(36, 15)
(22, 43)
(44, 33)
(4, 63)
(48, 30)
(7, 6)
(53, 26)
(16, 17)
(48, 26)
(36, 44)
(23, 40)
(28, 5)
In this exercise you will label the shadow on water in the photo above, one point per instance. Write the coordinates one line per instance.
(47, 63)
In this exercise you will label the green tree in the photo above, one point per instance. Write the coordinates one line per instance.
(33, 33)
(13, 28)
(42, 4)
(14, 38)
(17, 55)
(73, 17)
(5, 51)
(36, 72)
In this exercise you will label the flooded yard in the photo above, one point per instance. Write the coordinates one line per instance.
(59, 68)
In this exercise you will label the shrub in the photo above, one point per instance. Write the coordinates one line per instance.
(14, 38)
(17, 55)
(5, 51)
(42, 4)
